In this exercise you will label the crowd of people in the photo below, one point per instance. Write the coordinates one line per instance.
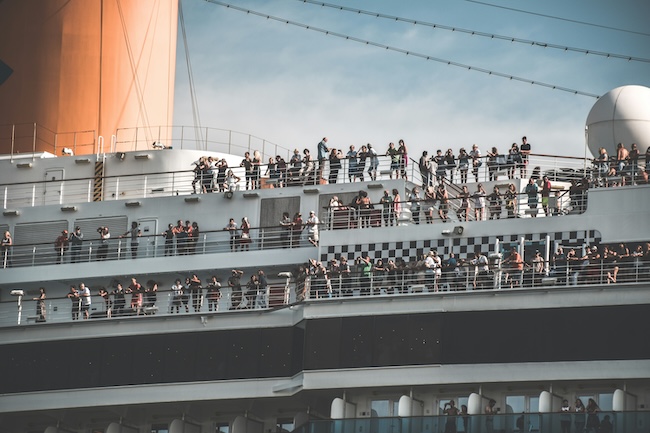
(363, 276)
(303, 168)
(599, 265)
(624, 168)
(342, 277)
(613, 263)
(584, 419)
(190, 295)
(72, 242)
(441, 201)
(181, 239)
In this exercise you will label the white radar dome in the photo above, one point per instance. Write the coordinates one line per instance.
(621, 115)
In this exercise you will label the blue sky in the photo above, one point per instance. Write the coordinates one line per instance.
(293, 86)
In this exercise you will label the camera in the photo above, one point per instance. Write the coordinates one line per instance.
(100, 229)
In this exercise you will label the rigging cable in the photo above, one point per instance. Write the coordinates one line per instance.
(134, 72)
(478, 33)
(198, 131)
(559, 18)
(403, 51)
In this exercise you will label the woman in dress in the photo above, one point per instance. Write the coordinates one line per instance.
(245, 238)
(231, 180)
(494, 200)
(335, 165)
(511, 200)
(593, 422)
(479, 202)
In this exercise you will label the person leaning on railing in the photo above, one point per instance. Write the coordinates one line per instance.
(5, 248)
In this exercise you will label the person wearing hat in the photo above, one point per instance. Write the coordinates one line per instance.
(76, 239)
(61, 246)
(295, 166)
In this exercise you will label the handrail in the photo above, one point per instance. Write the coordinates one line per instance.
(39, 133)
(407, 280)
(120, 248)
(541, 422)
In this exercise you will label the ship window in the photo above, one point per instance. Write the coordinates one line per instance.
(159, 428)
(283, 425)
(40, 236)
(585, 398)
(525, 411)
(271, 210)
(222, 428)
(459, 402)
(384, 408)
(606, 401)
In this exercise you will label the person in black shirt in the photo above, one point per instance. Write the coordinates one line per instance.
(234, 282)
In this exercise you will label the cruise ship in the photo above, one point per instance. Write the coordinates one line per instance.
(347, 299)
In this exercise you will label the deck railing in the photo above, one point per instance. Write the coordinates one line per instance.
(405, 280)
(93, 249)
(184, 182)
(602, 421)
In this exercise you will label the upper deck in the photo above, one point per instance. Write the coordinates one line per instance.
(349, 332)
(143, 187)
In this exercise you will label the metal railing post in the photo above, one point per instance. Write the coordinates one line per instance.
(34, 143)
(13, 140)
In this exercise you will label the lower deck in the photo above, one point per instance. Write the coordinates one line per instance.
(370, 364)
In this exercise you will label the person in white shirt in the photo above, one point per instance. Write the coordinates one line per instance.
(312, 228)
(86, 301)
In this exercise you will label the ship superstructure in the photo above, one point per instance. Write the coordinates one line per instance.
(373, 350)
